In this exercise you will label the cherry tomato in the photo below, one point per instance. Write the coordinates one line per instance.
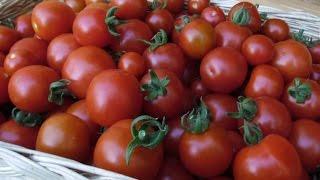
(172, 139)
(276, 29)
(197, 6)
(174, 6)
(179, 24)
(2, 58)
(14, 133)
(191, 72)
(2, 118)
(122, 99)
(18, 59)
(315, 53)
(236, 140)
(199, 89)
(197, 38)
(4, 80)
(213, 15)
(76, 5)
(173, 169)
(231, 35)
(128, 9)
(273, 158)
(160, 19)
(221, 178)
(103, 5)
(67, 102)
(265, 80)
(88, 2)
(223, 70)
(315, 74)
(133, 63)
(7, 38)
(23, 25)
(29, 88)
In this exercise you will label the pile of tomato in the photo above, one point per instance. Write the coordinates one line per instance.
(154, 90)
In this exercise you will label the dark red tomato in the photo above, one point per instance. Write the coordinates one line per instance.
(128, 9)
(197, 39)
(189, 100)
(265, 80)
(169, 104)
(305, 137)
(276, 29)
(2, 118)
(29, 88)
(236, 140)
(82, 65)
(122, 99)
(315, 53)
(221, 178)
(231, 35)
(2, 58)
(168, 56)
(199, 89)
(89, 27)
(14, 133)
(219, 105)
(59, 49)
(67, 102)
(179, 24)
(213, 15)
(4, 80)
(223, 70)
(79, 109)
(23, 25)
(315, 74)
(7, 38)
(52, 18)
(103, 5)
(72, 140)
(76, 5)
(197, 6)
(172, 139)
(111, 149)
(273, 158)
(133, 63)
(160, 19)
(258, 49)
(191, 72)
(292, 59)
(18, 59)
(174, 6)
(196, 152)
(305, 175)
(172, 169)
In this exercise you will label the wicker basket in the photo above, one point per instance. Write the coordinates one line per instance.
(20, 163)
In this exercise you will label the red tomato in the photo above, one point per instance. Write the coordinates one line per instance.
(179, 23)
(199, 89)
(103, 5)
(197, 38)
(276, 29)
(231, 35)
(213, 15)
(191, 72)
(160, 19)
(67, 102)
(82, 65)
(273, 158)
(76, 5)
(122, 99)
(2, 58)
(14, 133)
(223, 70)
(7, 38)
(52, 18)
(133, 63)
(315, 74)
(88, 2)
(128, 9)
(173, 169)
(221, 178)
(197, 6)
(29, 88)
(59, 49)
(18, 59)
(172, 139)
(174, 6)
(23, 25)
(2, 118)
(265, 80)
(236, 140)
(4, 80)
(315, 53)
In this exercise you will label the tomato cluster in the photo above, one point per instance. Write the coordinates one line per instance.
(155, 92)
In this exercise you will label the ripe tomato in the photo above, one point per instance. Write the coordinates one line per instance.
(236, 140)
(82, 65)
(103, 5)
(273, 158)
(18, 59)
(179, 23)
(14, 133)
(23, 25)
(231, 35)
(122, 99)
(2, 118)
(174, 6)
(29, 88)
(265, 80)
(173, 169)
(223, 70)
(199, 89)
(172, 139)
(133, 63)
(197, 38)
(197, 6)
(315, 74)
(276, 29)
(52, 18)
(76, 5)
(191, 72)
(160, 19)
(88, 2)
(128, 9)
(2, 58)
(221, 178)
(315, 53)
(4, 80)
(213, 15)
(7, 38)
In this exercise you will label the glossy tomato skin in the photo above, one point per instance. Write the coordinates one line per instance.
(128, 9)
(59, 49)
(173, 169)
(315, 75)
(82, 65)
(52, 18)
(196, 152)
(223, 70)
(197, 6)
(174, 6)
(172, 139)
(122, 100)
(18, 59)
(23, 25)
(14, 133)
(110, 153)
(273, 158)
(199, 89)
(2, 58)
(7, 38)
(133, 63)
(160, 19)
(102, 5)
(236, 140)
(4, 81)
(265, 80)
(276, 29)
(214, 15)
(76, 5)
(29, 88)
(315, 53)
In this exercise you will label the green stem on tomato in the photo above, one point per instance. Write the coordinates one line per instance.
(58, 91)
(301, 92)
(247, 109)
(241, 17)
(157, 40)
(26, 118)
(157, 87)
(112, 21)
(252, 133)
(185, 20)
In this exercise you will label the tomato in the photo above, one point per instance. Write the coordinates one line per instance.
(231, 35)
(214, 15)
(76, 5)
(223, 70)
(88, 2)
(265, 80)
(2, 58)
(179, 23)
(7, 38)
(197, 6)
(29, 88)
(102, 5)
(64, 135)
(128, 9)
(23, 25)
(236, 140)
(52, 18)
(197, 38)
(14, 133)
(302, 97)
(273, 158)
(4, 80)
(160, 19)
(18, 59)
(2, 118)
(191, 72)
(174, 6)
(133, 63)
(221, 178)
(315, 74)
(122, 100)
(172, 139)
(292, 59)
(315, 53)
(173, 169)
(67, 102)
(162, 90)
(276, 29)
(199, 89)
